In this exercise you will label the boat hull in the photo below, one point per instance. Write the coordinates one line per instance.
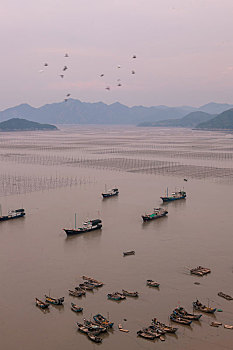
(170, 199)
(153, 217)
(8, 217)
(70, 232)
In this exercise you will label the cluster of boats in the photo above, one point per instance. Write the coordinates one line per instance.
(200, 271)
(156, 330)
(49, 300)
(180, 315)
(93, 329)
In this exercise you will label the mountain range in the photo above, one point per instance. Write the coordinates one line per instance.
(76, 112)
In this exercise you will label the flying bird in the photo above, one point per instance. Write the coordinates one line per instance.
(61, 75)
(118, 66)
(65, 68)
(66, 55)
(101, 75)
(107, 88)
(133, 72)
(119, 84)
(46, 64)
(134, 56)
(67, 95)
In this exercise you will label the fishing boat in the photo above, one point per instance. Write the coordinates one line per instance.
(130, 252)
(156, 329)
(225, 296)
(152, 283)
(200, 271)
(94, 337)
(157, 213)
(180, 311)
(86, 286)
(180, 320)
(88, 226)
(110, 193)
(116, 296)
(93, 280)
(129, 294)
(94, 326)
(174, 196)
(151, 331)
(215, 324)
(76, 308)
(198, 306)
(55, 301)
(12, 214)
(75, 293)
(41, 304)
(80, 290)
(100, 319)
(227, 326)
(82, 328)
(92, 284)
(163, 327)
(146, 335)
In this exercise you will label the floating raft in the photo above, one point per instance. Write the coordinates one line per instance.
(200, 271)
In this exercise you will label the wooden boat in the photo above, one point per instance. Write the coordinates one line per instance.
(82, 328)
(152, 283)
(92, 284)
(122, 329)
(41, 304)
(116, 296)
(129, 294)
(225, 296)
(100, 319)
(94, 326)
(163, 327)
(215, 324)
(76, 308)
(156, 329)
(180, 320)
(228, 326)
(131, 252)
(75, 293)
(94, 337)
(58, 301)
(92, 280)
(80, 290)
(200, 271)
(198, 306)
(86, 287)
(180, 311)
(152, 331)
(146, 335)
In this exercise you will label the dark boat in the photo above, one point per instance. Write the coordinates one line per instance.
(76, 308)
(110, 193)
(58, 301)
(130, 252)
(180, 311)
(75, 293)
(86, 286)
(225, 296)
(80, 290)
(198, 306)
(88, 226)
(200, 271)
(180, 320)
(151, 331)
(116, 296)
(94, 337)
(41, 304)
(12, 214)
(92, 280)
(158, 213)
(152, 283)
(156, 329)
(163, 327)
(174, 196)
(82, 328)
(146, 335)
(100, 319)
(129, 294)
(94, 326)
(92, 284)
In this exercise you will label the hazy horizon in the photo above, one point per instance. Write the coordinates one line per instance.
(184, 52)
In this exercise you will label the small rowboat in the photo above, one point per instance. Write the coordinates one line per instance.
(163, 327)
(41, 304)
(100, 319)
(116, 296)
(152, 283)
(75, 293)
(180, 311)
(215, 324)
(122, 329)
(80, 290)
(76, 308)
(92, 280)
(94, 326)
(129, 294)
(152, 331)
(86, 286)
(131, 252)
(228, 326)
(58, 301)
(94, 337)
(82, 328)
(225, 296)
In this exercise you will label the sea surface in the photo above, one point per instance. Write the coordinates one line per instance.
(54, 175)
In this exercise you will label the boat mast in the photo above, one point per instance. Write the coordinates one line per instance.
(167, 191)
(75, 220)
(0, 210)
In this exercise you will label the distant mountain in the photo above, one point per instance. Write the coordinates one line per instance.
(189, 121)
(17, 124)
(76, 112)
(215, 108)
(223, 121)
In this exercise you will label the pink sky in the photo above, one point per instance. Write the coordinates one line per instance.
(184, 51)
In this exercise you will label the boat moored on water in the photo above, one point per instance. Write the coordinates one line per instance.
(116, 296)
(181, 320)
(129, 294)
(76, 308)
(181, 312)
(55, 301)
(41, 304)
(88, 226)
(145, 335)
(152, 283)
(130, 252)
(12, 214)
(110, 193)
(174, 196)
(200, 307)
(94, 337)
(103, 321)
(157, 213)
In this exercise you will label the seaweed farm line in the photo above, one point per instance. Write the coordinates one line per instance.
(58, 178)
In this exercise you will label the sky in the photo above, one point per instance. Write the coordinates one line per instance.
(183, 48)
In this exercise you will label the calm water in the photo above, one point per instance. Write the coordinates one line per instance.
(37, 258)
